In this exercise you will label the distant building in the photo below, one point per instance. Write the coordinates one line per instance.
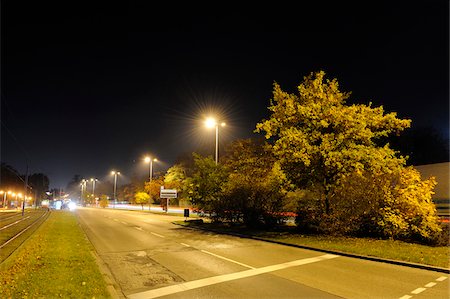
(441, 197)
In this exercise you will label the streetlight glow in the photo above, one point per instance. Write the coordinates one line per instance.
(210, 122)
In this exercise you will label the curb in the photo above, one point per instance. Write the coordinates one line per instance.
(353, 255)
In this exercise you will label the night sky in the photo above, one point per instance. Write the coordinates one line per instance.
(88, 87)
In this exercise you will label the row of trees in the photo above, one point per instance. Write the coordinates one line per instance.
(324, 159)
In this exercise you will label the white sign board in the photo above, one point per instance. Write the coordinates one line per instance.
(168, 193)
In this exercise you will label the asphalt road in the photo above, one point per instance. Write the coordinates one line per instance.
(149, 257)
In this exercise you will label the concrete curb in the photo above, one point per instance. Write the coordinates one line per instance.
(353, 255)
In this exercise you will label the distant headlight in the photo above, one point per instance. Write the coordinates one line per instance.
(72, 206)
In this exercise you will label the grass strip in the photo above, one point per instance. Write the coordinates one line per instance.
(56, 261)
(387, 249)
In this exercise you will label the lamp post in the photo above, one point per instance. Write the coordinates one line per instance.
(4, 197)
(93, 180)
(115, 173)
(83, 190)
(211, 123)
(150, 161)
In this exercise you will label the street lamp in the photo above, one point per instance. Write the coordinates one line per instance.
(211, 123)
(4, 197)
(83, 190)
(115, 173)
(150, 161)
(93, 186)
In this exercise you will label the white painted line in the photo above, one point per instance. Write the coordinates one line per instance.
(227, 259)
(184, 244)
(164, 291)
(116, 219)
(405, 297)
(442, 278)
(123, 222)
(138, 228)
(430, 284)
(158, 235)
(14, 223)
(418, 291)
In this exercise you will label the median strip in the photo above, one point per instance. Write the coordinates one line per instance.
(190, 285)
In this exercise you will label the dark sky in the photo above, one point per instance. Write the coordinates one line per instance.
(88, 87)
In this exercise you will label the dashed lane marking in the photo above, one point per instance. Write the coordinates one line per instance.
(158, 235)
(427, 286)
(184, 244)
(227, 259)
(430, 284)
(123, 222)
(164, 291)
(138, 228)
(418, 291)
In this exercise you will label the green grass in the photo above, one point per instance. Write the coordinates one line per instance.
(56, 261)
(387, 249)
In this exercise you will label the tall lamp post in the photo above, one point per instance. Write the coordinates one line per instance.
(83, 190)
(4, 197)
(93, 180)
(150, 161)
(115, 173)
(211, 123)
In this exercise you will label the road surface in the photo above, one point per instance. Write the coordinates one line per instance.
(149, 257)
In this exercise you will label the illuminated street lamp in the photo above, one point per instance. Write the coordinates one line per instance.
(93, 180)
(83, 190)
(4, 197)
(211, 123)
(150, 161)
(115, 173)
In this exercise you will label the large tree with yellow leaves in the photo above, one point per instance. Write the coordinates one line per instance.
(320, 140)
(333, 150)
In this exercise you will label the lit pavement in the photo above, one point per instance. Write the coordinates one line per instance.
(149, 257)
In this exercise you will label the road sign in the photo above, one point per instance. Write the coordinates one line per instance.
(168, 193)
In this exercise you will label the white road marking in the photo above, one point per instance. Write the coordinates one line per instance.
(116, 219)
(405, 297)
(138, 228)
(14, 223)
(164, 291)
(442, 278)
(418, 291)
(123, 222)
(158, 235)
(431, 284)
(184, 244)
(227, 259)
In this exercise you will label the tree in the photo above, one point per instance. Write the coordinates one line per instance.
(175, 178)
(319, 140)
(39, 183)
(395, 205)
(141, 198)
(153, 188)
(103, 202)
(254, 189)
(205, 185)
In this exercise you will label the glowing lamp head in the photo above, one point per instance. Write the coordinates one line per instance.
(210, 122)
(147, 159)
